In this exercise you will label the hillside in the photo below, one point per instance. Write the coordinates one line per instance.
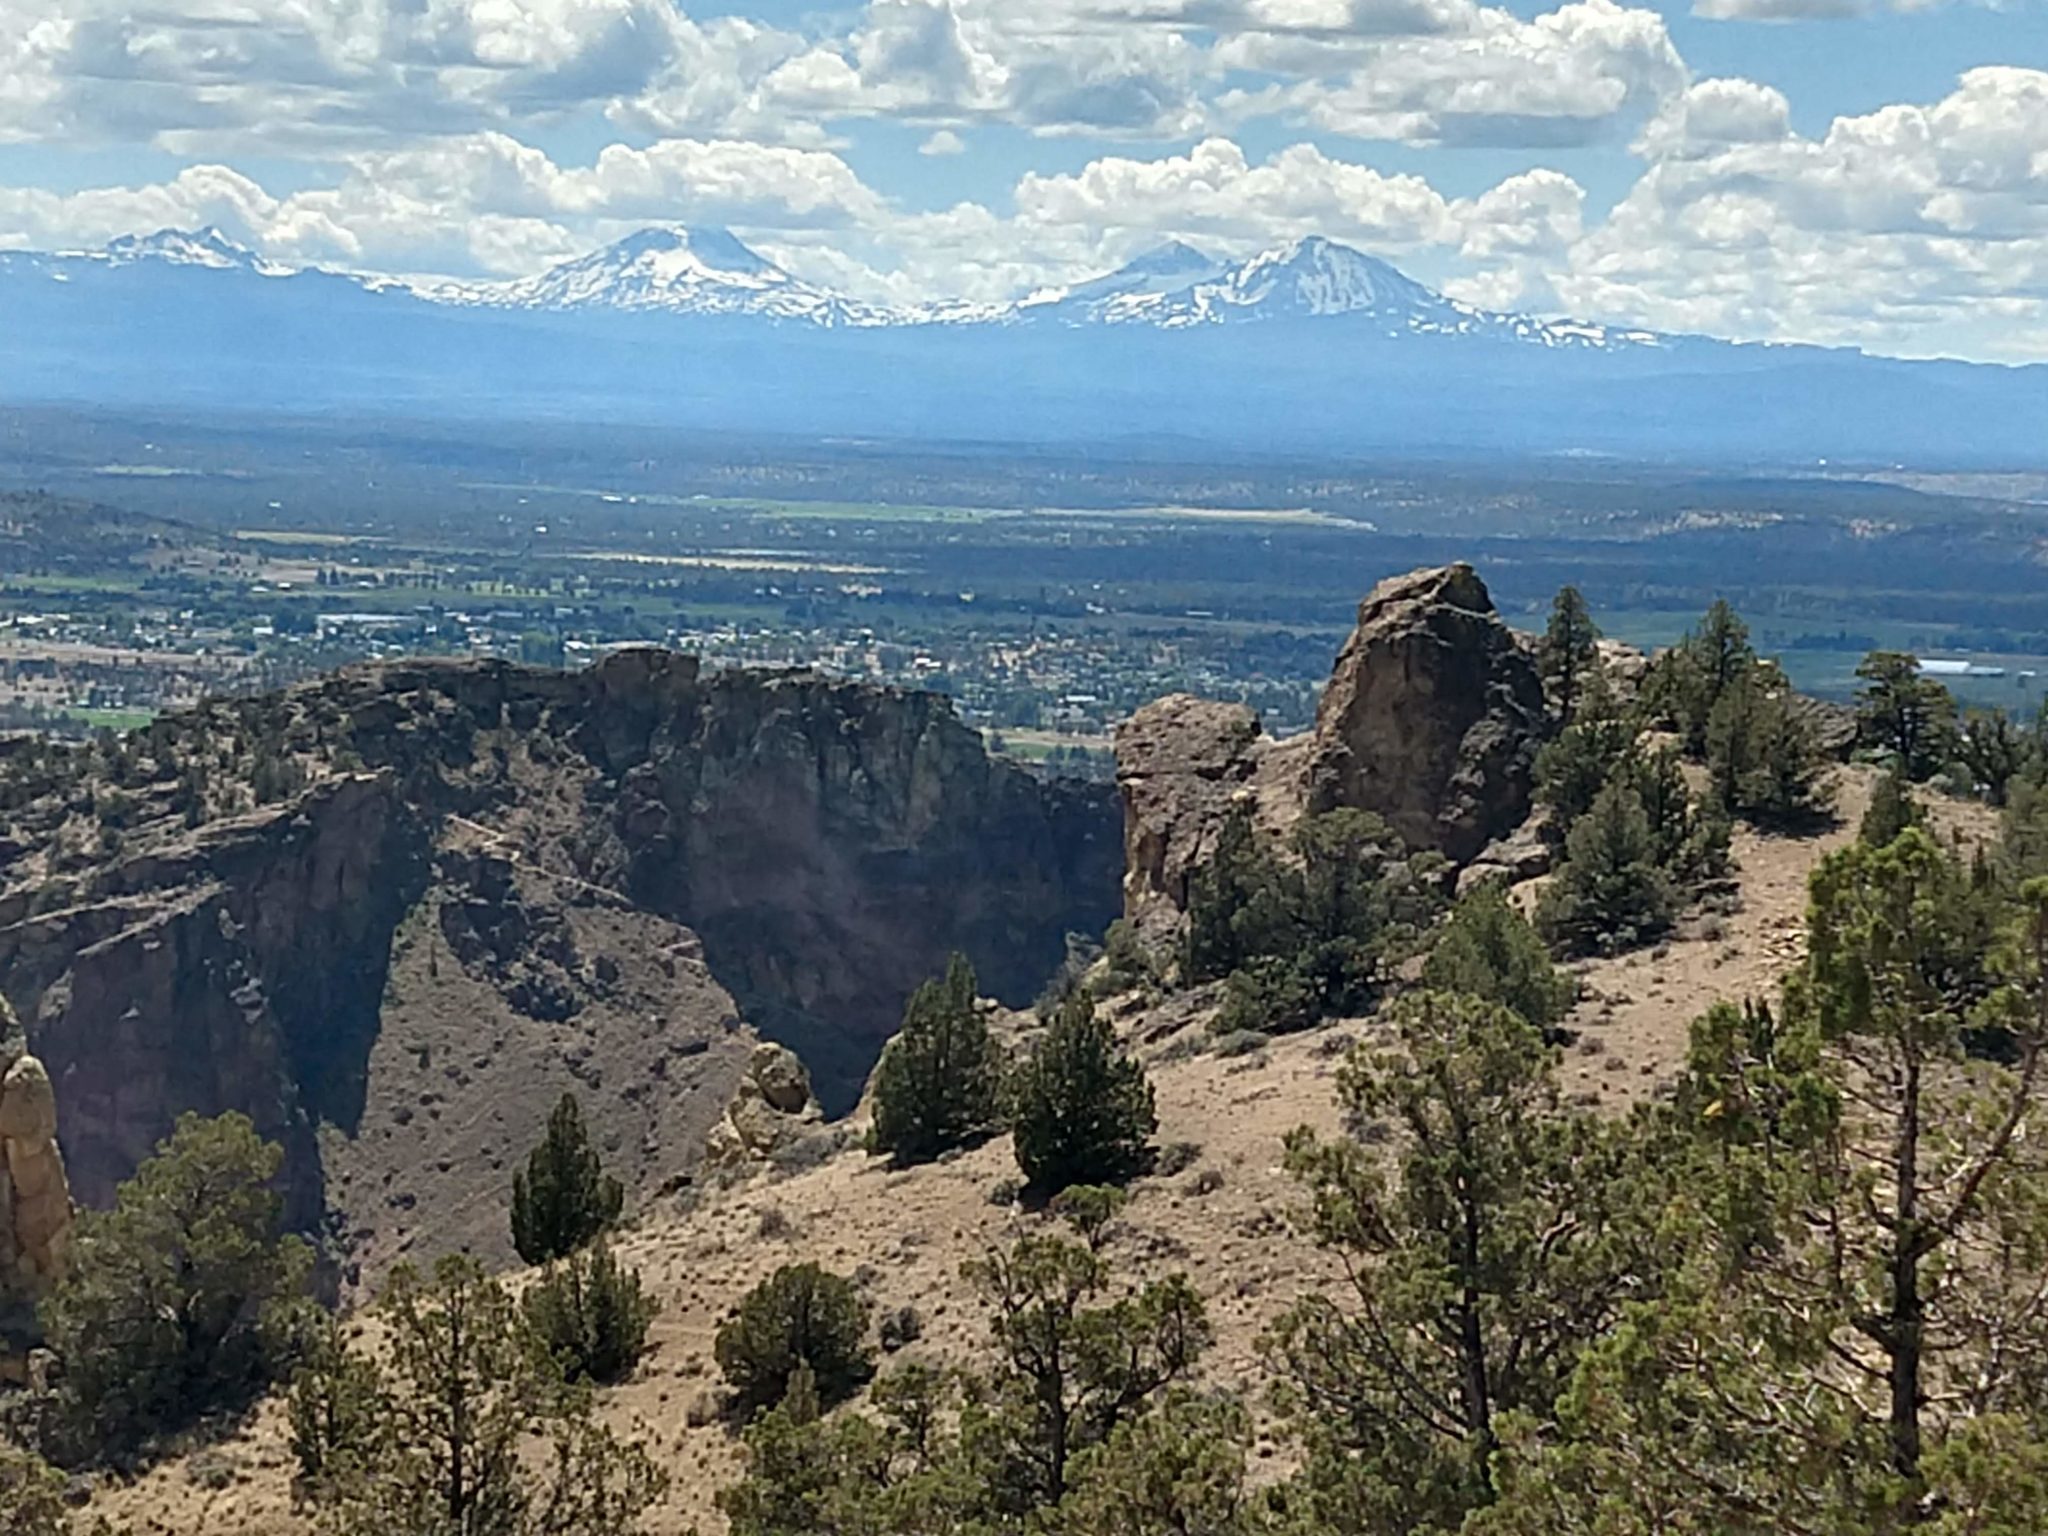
(906, 1233)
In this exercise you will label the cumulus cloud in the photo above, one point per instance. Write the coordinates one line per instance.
(944, 142)
(1483, 77)
(1915, 227)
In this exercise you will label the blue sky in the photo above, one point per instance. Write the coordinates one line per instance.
(1862, 172)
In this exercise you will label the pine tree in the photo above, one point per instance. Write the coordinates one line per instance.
(1610, 890)
(477, 1431)
(937, 1084)
(1081, 1110)
(564, 1198)
(1489, 950)
(1493, 1245)
(1569, 652)
(1906, 715)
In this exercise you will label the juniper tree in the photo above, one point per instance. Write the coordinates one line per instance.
(1610, 889)
(938, 1082)
(802, 1317)
(1080, 1108)
(563, 1198)
(1487, 949)
(589, 1311)
(185, 1298)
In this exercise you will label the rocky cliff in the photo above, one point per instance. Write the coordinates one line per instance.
(1431, 719)
(393, 914)
(35, 1196)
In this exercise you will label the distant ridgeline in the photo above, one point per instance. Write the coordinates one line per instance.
(1310, 347)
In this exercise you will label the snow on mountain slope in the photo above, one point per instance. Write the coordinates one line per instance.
(681, 271)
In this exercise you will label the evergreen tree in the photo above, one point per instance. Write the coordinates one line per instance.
(937, 1084)
(1489, 950)
(1762, 754)
(1583, 759)
(1569, 652)
(1081, 1110)
(1906, 715)
(336, 1410)
(1994, 752)
(801, 1317)
(1074, 1361)
(1687, 681)
(477, 1432)
(1892, 809)
(564, 1198)
(185, 1298)
(1610, 890)
(590, 1313)
(1480, 1260)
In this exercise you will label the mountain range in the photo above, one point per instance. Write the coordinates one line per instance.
(1309, 347)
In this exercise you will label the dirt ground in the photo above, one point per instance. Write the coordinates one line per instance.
(905, 1234)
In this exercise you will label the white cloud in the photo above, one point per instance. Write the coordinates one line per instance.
(943, 142)
(1810, 10)
(1714, 114)
(1483, 77)
(1916, 227)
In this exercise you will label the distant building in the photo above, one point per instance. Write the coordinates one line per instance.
(1937, 666)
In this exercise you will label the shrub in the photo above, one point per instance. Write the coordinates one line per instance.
(564, 1198)
(31, 1496)
(1489, 950)
(801, 1315)
(185, 1298)
(937, 1085)
(590, 1313)
(1081, 1110)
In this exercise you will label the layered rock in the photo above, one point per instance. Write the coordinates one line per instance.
(1431, 719)
(505, 882)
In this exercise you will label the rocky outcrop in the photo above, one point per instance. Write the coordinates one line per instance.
(1182, 764)
(504, 882)
(35, 1196)
(1432, 716)
(770, 1110)
(1431, 719)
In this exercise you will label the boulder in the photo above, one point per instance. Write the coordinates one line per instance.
(1181, 763)
(1432, 716)
(772, 1108)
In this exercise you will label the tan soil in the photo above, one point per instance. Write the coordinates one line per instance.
(905, 1234)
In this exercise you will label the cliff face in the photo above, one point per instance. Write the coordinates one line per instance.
(478, 885)
(1431, 719)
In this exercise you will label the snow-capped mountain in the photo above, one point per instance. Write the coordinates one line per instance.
(1177, 286)
(676, 270)
(189, 248)
(1312, 345)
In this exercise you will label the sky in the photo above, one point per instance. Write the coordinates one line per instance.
(1858, 172)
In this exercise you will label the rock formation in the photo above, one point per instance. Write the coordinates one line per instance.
(771, 1109)
(499, 883)
(1431, 719)
(1432, 716)
(35, 1197)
